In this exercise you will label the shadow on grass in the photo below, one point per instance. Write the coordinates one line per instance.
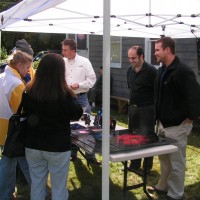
(193, 191)
(194, 139)
(90, 188)
(23, 192)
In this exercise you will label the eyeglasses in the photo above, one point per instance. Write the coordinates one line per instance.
(131, 58)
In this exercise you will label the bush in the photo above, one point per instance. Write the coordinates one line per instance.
(3, 55)
(35, 64)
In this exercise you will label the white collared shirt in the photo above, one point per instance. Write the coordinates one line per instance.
(80, 70)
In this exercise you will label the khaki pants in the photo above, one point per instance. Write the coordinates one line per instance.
(172, 166)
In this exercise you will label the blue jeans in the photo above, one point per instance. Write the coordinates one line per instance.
(84, 103)
(25, 170)
(24, 167)
(8, 175)
(41, 163)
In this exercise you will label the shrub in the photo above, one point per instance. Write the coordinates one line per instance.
(3, 55)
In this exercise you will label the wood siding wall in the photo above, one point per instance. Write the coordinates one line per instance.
(186, 49)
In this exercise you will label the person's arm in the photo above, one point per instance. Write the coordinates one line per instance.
(90, 78)
(74, 110)
(187, 120)
(190, 89)
(16, 96)
(127, 76)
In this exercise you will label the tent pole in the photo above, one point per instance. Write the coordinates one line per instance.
(106, 101)
(0, 45)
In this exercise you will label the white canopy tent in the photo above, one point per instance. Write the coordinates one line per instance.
(144, 18)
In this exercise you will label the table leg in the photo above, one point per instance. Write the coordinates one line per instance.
(145, 179)
(125, 179)
(88, 163)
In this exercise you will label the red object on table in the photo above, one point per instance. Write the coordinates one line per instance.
(131, 139)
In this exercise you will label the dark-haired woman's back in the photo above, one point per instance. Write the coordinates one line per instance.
(49, 123)
(50, 106)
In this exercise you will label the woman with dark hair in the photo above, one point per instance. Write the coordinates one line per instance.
(49, 105)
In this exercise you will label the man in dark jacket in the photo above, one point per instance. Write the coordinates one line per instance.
(95, 93)
(176, 106)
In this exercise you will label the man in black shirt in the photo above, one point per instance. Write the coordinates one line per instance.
(95, 93)
(140, 79)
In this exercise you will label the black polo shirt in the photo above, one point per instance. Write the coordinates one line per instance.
(141, 85)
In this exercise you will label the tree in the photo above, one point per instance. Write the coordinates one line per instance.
(6, 4)
(38, 41)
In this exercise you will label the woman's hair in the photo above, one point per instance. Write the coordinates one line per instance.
(49, 84)
(19, 57)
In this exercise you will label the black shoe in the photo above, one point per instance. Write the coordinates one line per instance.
(170, 198)
(134, 165)
(73, 158)
(139, 170)
(153, 189)
(136, 170)
(94, 161)
(149, 172)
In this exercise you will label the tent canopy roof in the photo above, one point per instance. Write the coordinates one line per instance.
(145, 18)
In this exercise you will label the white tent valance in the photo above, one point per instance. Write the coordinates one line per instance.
(145, 18)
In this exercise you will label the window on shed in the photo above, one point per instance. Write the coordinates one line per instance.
(115, 54)
(81, 41)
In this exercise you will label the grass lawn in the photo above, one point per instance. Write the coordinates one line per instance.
(84, 182)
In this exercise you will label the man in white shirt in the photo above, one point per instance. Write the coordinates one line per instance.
(80, 77)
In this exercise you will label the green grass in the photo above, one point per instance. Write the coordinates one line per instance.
(84, 182)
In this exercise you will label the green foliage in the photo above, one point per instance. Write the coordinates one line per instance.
(35, 64)
(3, 55)
(38, 41)
(6, 4)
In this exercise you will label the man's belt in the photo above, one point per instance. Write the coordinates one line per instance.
(80, 94)
(137, 106)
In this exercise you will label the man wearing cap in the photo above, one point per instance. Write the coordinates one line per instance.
(23, 45)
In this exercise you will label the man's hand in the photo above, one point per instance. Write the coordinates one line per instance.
(189, 121)
(74, 86)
